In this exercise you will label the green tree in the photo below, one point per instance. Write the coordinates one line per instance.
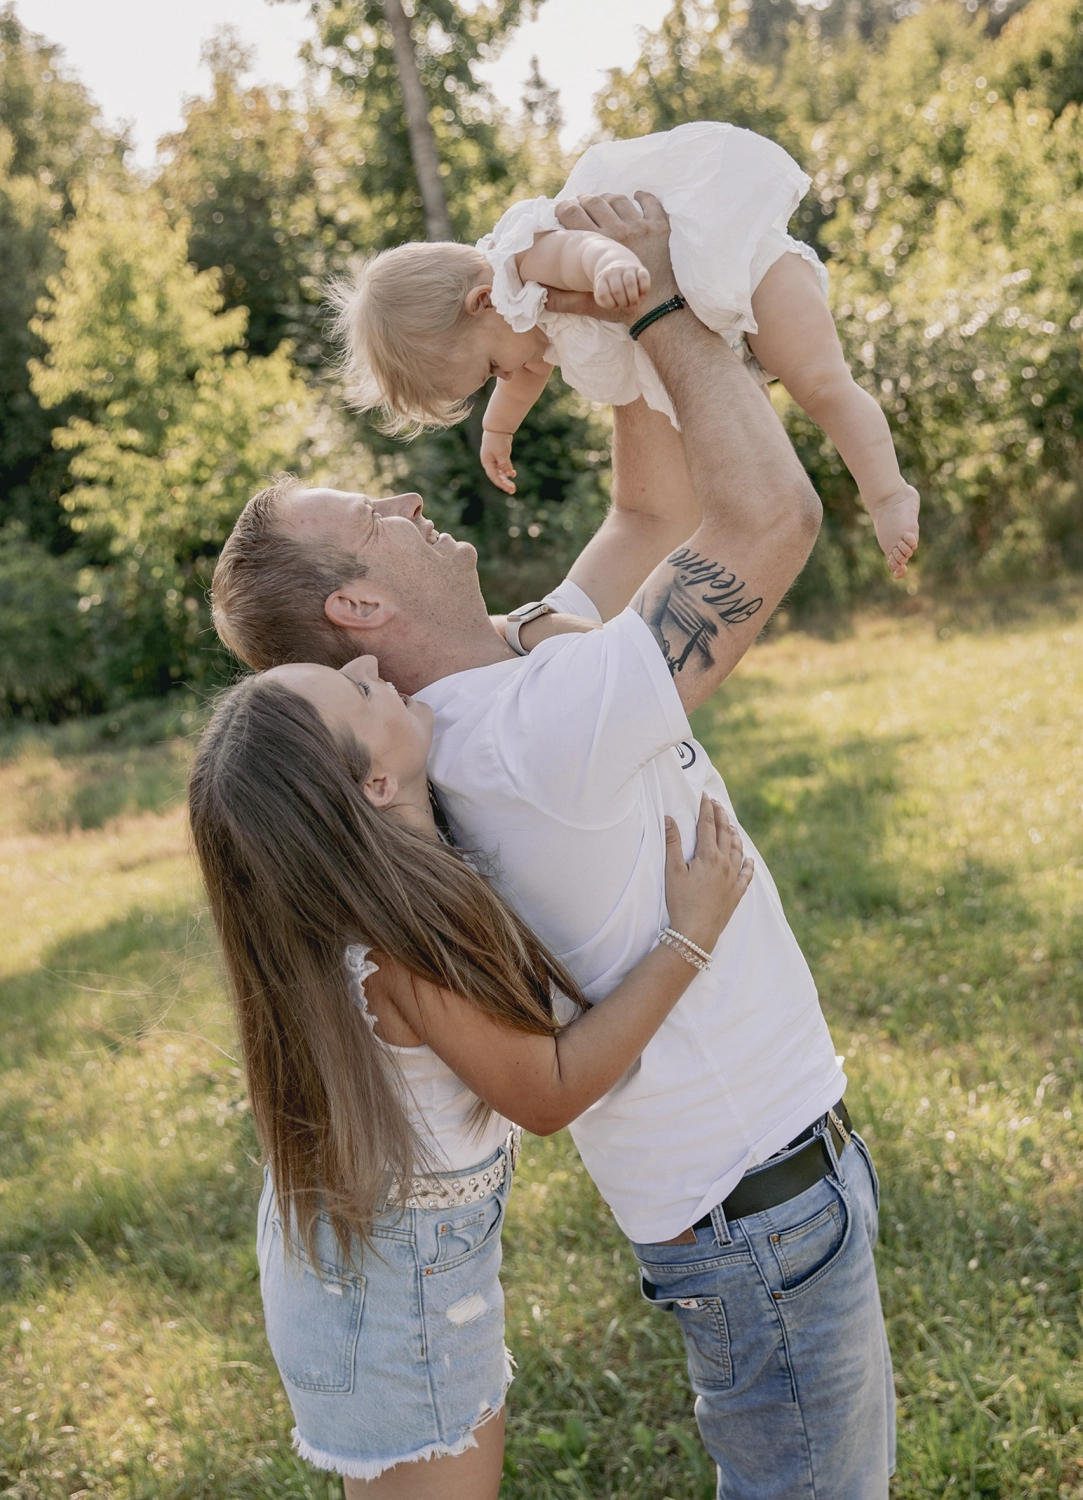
(51, 138)
(692, 68)
(281, 194)
(946, 201)
(978, 348)
(415, 105)
(265, 188)
(486, 162)
(956, 265)
(355, 48)
(1041, 51)
(47, 657)
(179, 430)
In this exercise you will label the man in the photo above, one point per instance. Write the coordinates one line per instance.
(725, 1154)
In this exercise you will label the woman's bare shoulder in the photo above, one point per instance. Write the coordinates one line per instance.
(388, 990)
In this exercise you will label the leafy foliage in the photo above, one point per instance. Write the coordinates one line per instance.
(946, 200)
(45, 643)
(50, 139)
(179, 430)
(485, 164)
(269, 193)
(242, 175)
(354, 47)
(944, 147)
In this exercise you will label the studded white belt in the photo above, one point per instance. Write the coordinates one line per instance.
(468, 1187)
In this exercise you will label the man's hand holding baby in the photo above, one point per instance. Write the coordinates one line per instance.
(641, 227)
(622, 248)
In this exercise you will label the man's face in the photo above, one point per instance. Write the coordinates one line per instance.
(427, 573)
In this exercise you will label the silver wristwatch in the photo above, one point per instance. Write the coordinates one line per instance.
(520, 617)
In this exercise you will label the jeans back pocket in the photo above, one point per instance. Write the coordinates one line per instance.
(313, 1320)
(702, 1321)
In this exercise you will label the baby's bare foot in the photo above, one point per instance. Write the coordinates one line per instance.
(895, 520)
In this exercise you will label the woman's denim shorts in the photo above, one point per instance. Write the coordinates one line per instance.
(399, 1356)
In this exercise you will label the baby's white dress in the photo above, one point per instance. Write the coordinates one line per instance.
(729, 194)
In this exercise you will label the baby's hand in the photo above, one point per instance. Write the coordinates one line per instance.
(496, 460)
(621, 283)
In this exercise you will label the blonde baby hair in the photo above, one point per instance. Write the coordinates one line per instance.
(398, 318)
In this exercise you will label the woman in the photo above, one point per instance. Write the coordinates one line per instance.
(395, 1018)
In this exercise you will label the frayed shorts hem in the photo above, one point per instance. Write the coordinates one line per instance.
(372, 1468)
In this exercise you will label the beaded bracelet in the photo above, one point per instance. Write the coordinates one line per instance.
(684, 949)
(688, 943)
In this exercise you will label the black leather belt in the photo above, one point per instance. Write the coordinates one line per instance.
(767, 1186)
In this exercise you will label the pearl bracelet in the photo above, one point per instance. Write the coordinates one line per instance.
(688, 943)
(685, 948)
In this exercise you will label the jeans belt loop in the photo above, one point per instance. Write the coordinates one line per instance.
(720, 1225)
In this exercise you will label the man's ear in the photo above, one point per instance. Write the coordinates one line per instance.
(478, 298)
(358, 606)
(381, 790)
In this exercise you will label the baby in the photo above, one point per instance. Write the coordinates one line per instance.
(426, 325)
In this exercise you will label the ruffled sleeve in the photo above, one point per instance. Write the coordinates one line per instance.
(517, 302)
(361, 967)
(564, 1010)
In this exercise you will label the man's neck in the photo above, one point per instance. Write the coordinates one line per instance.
(430, 654)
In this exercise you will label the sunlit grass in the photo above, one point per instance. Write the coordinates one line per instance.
(919, 798)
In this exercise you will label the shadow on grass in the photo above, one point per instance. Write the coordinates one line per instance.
(817, 808)
(952, 948)
(103, 988)
(172, 1224)
(86, 791)
(1009, 607)
(594, 1360)
(95, 998)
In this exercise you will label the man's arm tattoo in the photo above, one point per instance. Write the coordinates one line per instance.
(685, 614)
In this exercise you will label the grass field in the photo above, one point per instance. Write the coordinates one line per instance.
(916, 787)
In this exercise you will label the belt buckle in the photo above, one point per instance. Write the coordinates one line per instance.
(833, 1116)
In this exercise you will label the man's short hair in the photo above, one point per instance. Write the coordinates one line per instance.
(269, 589)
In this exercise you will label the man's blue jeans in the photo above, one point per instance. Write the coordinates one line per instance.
(787, 1351)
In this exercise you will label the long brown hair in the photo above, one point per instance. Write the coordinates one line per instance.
(298, 864)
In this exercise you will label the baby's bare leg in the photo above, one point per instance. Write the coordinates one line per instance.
(798, 342)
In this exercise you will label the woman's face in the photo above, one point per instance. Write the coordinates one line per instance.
(356, 701)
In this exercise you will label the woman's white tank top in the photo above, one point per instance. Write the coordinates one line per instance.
(438, 1104)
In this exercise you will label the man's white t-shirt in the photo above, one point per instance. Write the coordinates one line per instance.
(558, 769)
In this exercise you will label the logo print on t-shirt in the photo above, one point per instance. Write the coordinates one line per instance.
(687, 752)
